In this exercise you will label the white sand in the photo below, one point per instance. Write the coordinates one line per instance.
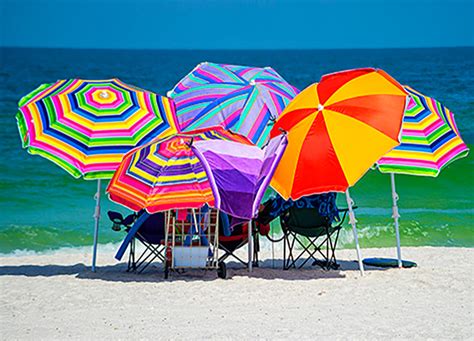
(56, 296)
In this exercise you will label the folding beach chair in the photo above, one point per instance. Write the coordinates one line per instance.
(306, 228)
(237, 239)
(148, 230)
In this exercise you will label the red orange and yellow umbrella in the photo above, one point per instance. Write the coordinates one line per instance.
(337, 129)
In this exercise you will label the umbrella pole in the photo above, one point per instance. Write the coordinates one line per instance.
(353, 222)
(395, 217)
(96, 229)
(273, 249)
(250, 246)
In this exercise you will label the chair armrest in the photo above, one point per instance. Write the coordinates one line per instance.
(346, 209)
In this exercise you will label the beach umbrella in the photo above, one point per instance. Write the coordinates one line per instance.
(166, 174)
(430, 141)
(239, 174)
(245, 100)
(86, 126)
(337, 129)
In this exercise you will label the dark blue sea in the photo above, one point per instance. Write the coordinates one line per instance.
(43, 208)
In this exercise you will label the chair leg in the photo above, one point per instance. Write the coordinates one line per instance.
(228, 254)
(306, 249)
(333, 261)
(131, 266)
(256, 249)
(289, 261)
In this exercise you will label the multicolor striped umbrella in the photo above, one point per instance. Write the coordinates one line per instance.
(337, 130)
(243, 99)
(166, 174)
(430, 141)
(87, 126)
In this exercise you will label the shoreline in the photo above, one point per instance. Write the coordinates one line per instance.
(56, 296)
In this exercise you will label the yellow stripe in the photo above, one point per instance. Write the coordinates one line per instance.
(427, 121)
(103, 126)
(308, 98)
(434, 157)
(357, 145)
(365, 85)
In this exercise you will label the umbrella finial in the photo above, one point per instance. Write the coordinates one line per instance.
(320, 107)
(104, 94)
(252, 82)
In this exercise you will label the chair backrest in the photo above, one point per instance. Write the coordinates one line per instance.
(305, 221)
(238, 230)
(153, 228)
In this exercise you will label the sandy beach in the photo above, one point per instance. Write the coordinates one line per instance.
(55, 296)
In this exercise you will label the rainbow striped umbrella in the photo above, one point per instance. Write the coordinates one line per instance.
(87, 126)
(166, 174)
(430, 140)
(246, 100)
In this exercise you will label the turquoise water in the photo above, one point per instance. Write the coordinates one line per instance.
(44, 208)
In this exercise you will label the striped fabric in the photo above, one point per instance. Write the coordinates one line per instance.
(87, 126)
(165, 174)
(246, 100)
(430, 139)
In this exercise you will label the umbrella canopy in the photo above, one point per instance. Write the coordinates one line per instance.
(430, 139)
(239, 174)
(166, 174)
(337, 130)
(243, 99)
(87, 126)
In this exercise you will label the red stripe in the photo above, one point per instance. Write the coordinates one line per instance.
(289, 120)
(318, 168)
(382, 112)
(330, 83)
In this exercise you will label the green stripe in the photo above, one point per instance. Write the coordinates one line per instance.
(411, 170)
(60, 162)
(211, 86)
(229, 73)
(211, 113)
(263, 138)
(25, 99)
(22, 129)
(248, 106)
(99, 175)
(182, 112)
(195, 79)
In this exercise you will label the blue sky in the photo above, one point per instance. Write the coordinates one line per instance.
(236, 24)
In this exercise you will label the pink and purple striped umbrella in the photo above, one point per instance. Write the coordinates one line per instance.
(246, 100)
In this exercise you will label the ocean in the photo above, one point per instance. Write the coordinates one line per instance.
(43, 208)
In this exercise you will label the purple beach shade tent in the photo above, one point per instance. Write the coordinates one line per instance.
(239, 175)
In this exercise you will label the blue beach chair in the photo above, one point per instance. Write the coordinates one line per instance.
(148, 230)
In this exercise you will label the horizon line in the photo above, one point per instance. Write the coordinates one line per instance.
(233, 49)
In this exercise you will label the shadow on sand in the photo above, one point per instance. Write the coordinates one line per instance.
(268, 269)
